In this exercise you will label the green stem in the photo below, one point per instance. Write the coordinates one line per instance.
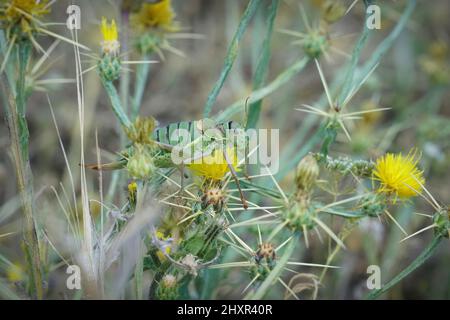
(125, 77)
(356, 76)
(424, 256)
(116, 104)
(231, 55)
(140, 83)
(387, 42)
(18, 130)
(262, 66)
(349, 77)
(259, 94)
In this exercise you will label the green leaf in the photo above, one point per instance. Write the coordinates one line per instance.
(231, 55)
(259, 94)
(263, 65)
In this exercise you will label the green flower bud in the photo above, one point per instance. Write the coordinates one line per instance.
(442, 221)
(142, 130)
(315, 44)
(140, 165)
(109, 67)
(372, 205)
(307, 173)
(149, 42)
(167, 288)
(332, 11)
(265, 261)
(300, 216)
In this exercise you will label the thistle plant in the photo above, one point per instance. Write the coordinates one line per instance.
(21, 23)
(174, 207)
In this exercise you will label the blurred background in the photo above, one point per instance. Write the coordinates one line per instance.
(413, 79)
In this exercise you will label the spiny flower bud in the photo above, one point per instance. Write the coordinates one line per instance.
(332, 10)
(307, 173)
(442, 221)
(301, 215)
(140, 165)
(265, 259)
(372, 205)
(168, 288)
(149, 43)
(266, 251)
(315, 43)
(109, 67)
(142, 130)
(214, 197)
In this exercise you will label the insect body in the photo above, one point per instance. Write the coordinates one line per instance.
(191, 141)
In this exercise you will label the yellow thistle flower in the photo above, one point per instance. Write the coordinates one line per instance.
(159, 15)
(110, 43)
(22, 13)
(22, 9)
(215, 166)
(399, 175)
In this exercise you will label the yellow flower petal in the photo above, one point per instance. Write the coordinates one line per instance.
(399, 175)
(155, 15)
(215, 166)
(110, 43)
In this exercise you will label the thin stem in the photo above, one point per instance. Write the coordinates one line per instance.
(263, 92)
(139, 87)
(231, 55)
(115, 103)
(262, 66)
(18, 129)
(349, 77)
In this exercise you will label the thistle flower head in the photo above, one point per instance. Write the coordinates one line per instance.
(213, 196)
(169, 281)
(307, 173)
(190, 262)
(215, 166)
(399, 175)
(301, 215)
(435, 62)
(141, 131)
(168, 288)
(315, 43)
(266, 251)
(110, 43)
(20, 11)
(442, 222)
(159, 15)
(332, 10)
(20, 18)
(140, 165)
